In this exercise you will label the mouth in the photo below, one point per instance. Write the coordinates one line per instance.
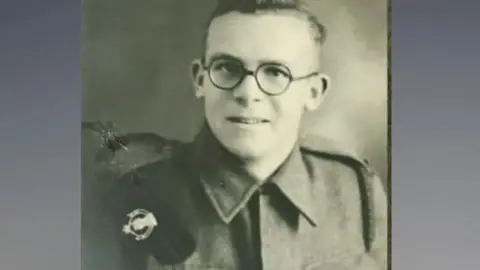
(247, 120)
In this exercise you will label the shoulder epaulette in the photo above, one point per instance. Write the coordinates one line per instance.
(320, 145)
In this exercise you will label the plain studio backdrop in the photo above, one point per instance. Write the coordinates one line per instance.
(136, 57)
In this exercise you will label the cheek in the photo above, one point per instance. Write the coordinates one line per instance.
(290, 105)
(213, 100)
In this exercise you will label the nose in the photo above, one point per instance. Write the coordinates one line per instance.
(248, 91)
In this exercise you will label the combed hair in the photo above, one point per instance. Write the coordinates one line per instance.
(253, 6)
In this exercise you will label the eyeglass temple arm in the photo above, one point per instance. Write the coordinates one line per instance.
(315, 73)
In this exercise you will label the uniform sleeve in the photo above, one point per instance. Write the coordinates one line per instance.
(100, 247)
(119, 181)
(379, 220)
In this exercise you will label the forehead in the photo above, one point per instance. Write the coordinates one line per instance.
(268, 36)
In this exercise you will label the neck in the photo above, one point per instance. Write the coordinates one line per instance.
(262, 169)
(259, 169)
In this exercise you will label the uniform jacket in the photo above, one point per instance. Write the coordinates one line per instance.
(341, 222)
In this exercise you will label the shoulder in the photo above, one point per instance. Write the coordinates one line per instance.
(140, 150)
(339, 167)
(323, 148)
(128, 164)
(344, 172)
(339, 163)
(122, 153)
(137, 174)
(148, 163)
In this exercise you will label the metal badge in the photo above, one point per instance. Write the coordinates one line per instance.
(140, 224)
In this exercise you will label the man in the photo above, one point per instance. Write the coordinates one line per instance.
(252, 191)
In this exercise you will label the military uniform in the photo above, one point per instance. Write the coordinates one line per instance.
(192, 208)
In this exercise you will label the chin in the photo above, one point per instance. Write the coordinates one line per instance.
(245, 150)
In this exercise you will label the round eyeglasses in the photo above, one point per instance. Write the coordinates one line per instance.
(271, 78)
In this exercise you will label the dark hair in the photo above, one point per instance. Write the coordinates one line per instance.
(252, 6)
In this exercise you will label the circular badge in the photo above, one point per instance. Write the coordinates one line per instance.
(140, 224)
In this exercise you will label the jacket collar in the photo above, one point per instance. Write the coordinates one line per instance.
(229, 187)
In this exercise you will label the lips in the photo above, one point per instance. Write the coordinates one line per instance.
(247, 120)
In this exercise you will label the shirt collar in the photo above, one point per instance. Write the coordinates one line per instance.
(229, 188)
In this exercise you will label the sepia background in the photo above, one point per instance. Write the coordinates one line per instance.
(136, 57)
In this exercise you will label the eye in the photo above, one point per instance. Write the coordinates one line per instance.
(276, 71)
(229, 67)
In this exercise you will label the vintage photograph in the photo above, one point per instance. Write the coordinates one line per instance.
(235, 134)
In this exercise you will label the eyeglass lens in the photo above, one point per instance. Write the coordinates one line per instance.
(228, 74)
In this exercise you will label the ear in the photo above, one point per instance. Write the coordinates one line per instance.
(197, 77)
(318, 88)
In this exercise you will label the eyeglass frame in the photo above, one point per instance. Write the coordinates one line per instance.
(254, 73)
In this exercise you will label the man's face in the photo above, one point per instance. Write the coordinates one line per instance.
(246, 120)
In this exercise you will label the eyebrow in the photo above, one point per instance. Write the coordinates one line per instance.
(228, 56)
(216, 56)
